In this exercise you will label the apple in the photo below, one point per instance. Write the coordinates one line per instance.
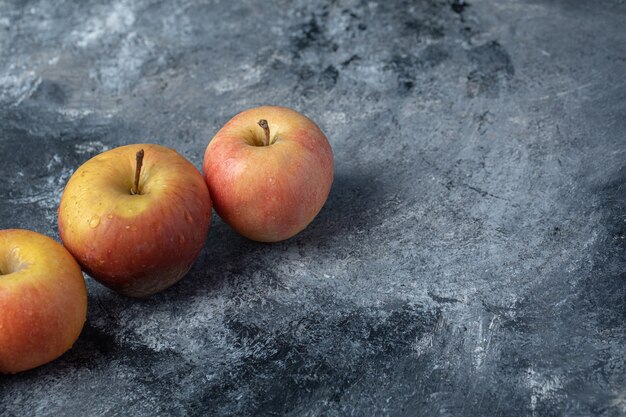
(269, 172)
(43, 300)
(136, 218)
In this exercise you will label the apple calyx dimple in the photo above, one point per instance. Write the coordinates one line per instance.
(139, 158)
(266, 128)
(7, 266)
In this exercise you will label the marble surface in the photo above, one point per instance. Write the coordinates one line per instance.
(469, 260)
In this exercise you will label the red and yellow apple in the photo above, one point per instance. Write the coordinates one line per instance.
(136, 218)
(269, 171)
(43, 300)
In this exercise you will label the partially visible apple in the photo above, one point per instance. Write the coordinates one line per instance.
(269, 172)
(136, 218)
(43, 300)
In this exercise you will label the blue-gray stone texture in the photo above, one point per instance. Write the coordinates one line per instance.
(470, 259)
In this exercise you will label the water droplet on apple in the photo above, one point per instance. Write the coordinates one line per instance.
(94, 221)
(109, 216)
(181, 239)
(271, 180)
(188, 217)
(131, 227)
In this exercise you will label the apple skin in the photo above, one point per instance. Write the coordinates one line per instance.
(43, 300)
(139, 244)
(269, 193)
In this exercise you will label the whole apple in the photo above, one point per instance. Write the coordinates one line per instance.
(136, 218)
(269, 172)
(43, 300)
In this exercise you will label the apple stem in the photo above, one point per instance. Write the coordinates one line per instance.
(135, 190)
(266, 129)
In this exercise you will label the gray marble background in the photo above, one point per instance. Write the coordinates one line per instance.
(469, 260)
